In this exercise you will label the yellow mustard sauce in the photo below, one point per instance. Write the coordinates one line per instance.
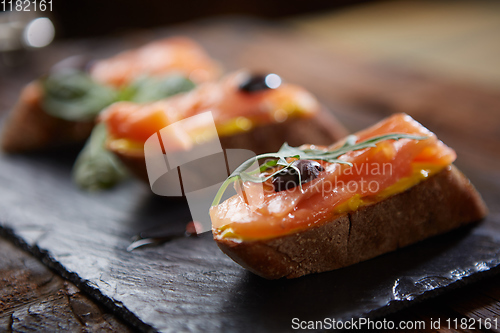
(243, 124)
(125, 146)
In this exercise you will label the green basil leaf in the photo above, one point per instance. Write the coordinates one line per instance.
(73, 95)
(97, 168)
(148, 89)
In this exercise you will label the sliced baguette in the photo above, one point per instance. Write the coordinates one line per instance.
(29, 127)
(439, 204)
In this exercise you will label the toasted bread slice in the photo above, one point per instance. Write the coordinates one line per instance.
(439, 204)
(29, 127)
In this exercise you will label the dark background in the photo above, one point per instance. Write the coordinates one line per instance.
(98, 17)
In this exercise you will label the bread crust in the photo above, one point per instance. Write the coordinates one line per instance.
(29, 127)
(321, 129)
(439, 204)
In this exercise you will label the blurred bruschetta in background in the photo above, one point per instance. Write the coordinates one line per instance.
(60, 108)
(254, 112)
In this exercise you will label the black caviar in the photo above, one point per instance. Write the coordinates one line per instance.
(255, 83)
(289, 177)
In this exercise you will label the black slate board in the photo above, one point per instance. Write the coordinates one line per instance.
(187, 283)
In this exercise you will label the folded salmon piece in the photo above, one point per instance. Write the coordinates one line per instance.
(388, 186)
(254, 112)
(175, 55)
(60, 109)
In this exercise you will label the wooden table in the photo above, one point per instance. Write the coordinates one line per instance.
(466, 116)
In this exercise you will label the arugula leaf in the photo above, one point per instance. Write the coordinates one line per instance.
(95, 167)
(73, 95)
(287, 151)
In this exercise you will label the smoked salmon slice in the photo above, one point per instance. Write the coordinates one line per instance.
(174, 55)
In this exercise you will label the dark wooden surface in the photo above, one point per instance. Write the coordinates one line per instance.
(35, 299)
(464, 116)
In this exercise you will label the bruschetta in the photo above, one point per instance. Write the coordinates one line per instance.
(254, 112)
(317, 209)
(60, 108)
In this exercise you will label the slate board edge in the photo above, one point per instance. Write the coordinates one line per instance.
(394, 306)
(120, 311)
(129, 317)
